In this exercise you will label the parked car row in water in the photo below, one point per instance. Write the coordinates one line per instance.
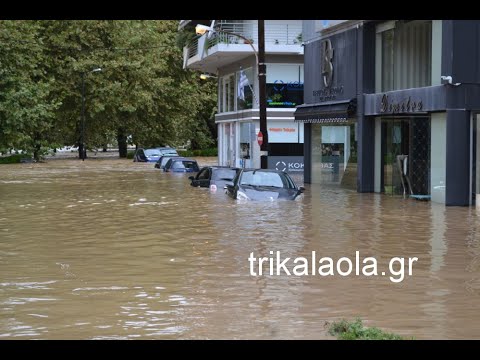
(153, 154)
(166, 159)
(238, 183)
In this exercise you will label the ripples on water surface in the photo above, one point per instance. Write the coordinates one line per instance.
(111, 249)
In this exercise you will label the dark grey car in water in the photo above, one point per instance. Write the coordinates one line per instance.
(160, 164)
(263, 184)
(214, 177)
(181, 164)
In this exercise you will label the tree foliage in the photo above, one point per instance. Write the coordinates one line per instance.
(142, 92)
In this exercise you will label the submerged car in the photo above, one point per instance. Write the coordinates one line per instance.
(263, 184)
(160, 164)
(214, 177)
(146, 155)
(181, 164)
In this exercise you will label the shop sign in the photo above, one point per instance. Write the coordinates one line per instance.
(405, 106)
(289, 164)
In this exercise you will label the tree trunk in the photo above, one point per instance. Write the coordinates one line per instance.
(122, 143)
(80, 149)
(36, 153)
(36, 147)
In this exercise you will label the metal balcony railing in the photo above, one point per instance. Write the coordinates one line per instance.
(193, 48)
(275, 34)
(283, 34)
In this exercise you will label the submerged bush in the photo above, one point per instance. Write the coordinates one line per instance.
(15, 159)
(354, 330)
(203, 152)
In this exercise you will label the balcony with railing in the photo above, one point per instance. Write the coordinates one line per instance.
(224, 47)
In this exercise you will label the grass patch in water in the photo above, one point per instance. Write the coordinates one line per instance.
(354, 330)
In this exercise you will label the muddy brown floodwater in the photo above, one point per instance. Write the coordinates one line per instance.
(111, 249)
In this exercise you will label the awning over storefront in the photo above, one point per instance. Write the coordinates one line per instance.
(327, 112)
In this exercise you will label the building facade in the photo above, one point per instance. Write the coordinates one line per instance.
(392, 107)
(232, 60)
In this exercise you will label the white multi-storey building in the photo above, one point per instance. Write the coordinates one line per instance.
(232, 60)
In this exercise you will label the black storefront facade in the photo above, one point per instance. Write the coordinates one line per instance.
(330, 111)
(394, 107)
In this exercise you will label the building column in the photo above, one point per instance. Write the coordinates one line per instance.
(307, 153)
(366, 153)
(220, 132)
(438, 155)
(458, 158)
(366, 36)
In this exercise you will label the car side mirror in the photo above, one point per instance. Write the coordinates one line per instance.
(301, 189)
(228, 186)
(191, 178)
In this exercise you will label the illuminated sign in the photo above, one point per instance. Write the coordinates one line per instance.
(289, 164)
(282, 131)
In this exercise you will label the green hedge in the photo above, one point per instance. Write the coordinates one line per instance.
(203, 152)
(130, 154)
(13, 159)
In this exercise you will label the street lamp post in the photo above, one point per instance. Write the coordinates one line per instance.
(262, 74)
(83, 150)
(262, 88)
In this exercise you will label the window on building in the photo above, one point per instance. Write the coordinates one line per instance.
(404, 50)
(245, 83)
(227, 93)
(334, 154)
(284, 85)
(231, 93)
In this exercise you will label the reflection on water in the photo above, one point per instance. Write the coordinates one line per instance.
(111, 249)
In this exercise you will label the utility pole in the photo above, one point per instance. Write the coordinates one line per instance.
(82, 144)
(262, 89)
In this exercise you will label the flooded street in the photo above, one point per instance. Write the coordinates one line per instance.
(111, 249)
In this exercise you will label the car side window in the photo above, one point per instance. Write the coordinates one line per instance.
(203, 175)
(190, 165)
(177, 165)
(164, 161)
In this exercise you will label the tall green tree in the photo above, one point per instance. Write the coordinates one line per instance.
(142, 95)
(27, 109)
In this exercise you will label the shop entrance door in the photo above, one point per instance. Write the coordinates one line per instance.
(406, 156)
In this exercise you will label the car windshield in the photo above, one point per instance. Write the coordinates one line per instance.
(224, 174)
(152, 152)
(184, 165)
(265, 178)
